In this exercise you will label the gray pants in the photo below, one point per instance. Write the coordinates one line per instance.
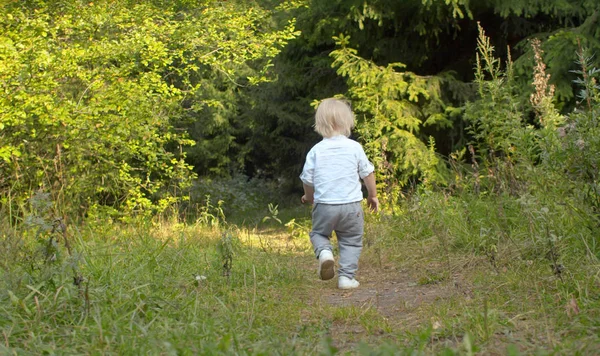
(347, 220)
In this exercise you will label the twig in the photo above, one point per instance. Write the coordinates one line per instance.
(251, 318)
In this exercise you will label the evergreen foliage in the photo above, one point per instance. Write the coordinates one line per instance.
(385, 100)
(433, 39)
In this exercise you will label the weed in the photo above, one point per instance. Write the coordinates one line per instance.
(211, 215)
(227, 247)
(273, 212)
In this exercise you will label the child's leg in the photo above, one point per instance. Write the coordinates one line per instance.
(322, 227)
(349, 231)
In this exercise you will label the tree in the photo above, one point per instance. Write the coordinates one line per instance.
(96, 92)
(435, 40)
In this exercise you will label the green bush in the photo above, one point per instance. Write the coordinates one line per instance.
(95, 93)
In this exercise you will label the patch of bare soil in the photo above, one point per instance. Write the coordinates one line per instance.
(396, 295)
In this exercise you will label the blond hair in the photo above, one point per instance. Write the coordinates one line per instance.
(334, 117)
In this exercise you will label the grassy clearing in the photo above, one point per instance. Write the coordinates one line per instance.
(155, 289)
(513, 275)
(497, 275)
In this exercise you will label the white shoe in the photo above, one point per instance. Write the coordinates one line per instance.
(326, 265)
(347, 283)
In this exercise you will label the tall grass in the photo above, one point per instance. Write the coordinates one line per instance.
(522, 276)
(150, 289)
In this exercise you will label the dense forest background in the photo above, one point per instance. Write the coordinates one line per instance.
(119, 106)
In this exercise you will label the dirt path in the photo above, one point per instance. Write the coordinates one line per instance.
(394, 296)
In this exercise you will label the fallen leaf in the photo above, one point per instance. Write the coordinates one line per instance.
(572, 307)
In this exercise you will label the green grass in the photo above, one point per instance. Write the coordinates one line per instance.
(153, 289)
(479, 270)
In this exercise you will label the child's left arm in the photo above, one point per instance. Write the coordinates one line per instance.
(371, 185)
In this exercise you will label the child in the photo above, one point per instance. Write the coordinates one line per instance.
(331, 180)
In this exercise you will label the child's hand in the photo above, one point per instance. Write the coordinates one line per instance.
(305, 199)
(373, 203)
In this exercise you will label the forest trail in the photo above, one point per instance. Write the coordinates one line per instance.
(389, 298)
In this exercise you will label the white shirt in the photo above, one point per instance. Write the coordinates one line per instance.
(333, 167)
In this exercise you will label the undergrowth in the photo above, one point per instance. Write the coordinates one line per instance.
(522, 276)
(155, 289)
